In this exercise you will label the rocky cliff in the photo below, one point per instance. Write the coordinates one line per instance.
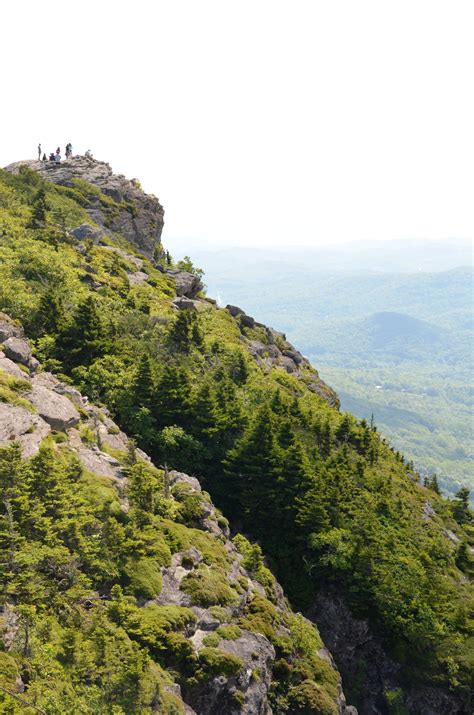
(132, 213)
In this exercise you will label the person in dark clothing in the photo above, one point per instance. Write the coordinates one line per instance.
(44, 158)
(39, 152)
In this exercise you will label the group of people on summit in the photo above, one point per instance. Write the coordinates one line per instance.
(55, 156)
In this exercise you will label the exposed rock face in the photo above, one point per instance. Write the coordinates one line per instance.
(139, 216)
(86, 232)
(274, 351)
(258, 654)
(17, 424)
(10, 367)
(362, 659)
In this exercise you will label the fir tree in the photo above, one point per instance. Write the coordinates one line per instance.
(171, 403)
(460, 506)
(38, 210)
(252, 468)
(83, 339)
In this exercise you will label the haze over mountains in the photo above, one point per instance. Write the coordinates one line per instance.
(387, 323)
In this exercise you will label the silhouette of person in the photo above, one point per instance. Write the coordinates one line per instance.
(39, 152)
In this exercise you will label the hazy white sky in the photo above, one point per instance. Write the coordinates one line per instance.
(260, 121)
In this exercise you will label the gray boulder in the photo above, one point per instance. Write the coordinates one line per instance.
(87, 232)
(288, 364)
(293, 355)
(56, 410)
(183, 303)
(19, 425)
(18, 350)
(11, 367)
(187, 284)
(234, 310)
(247, 321)
(179, 477)
(8, 330)
(137, 278)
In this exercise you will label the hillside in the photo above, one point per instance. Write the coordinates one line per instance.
(381, 562)
(334, 313)
(123, 568)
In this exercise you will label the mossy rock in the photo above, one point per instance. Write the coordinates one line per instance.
(208, 587)
(144, 577)
(229, 633)
(213, 661)
(212, 640)
(261, 616)
(308, 698)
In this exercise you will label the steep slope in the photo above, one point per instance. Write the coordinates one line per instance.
(341, 517)
(122, 591)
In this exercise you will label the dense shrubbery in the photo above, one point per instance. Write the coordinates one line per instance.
(311, 485)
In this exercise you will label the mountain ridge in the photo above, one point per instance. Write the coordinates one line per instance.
(215, 392)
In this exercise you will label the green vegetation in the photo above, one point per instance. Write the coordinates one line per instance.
(410, 365)
(11, 389)
(207, 587)
(328, 500)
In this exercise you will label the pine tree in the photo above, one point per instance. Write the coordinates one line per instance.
(38, 210)
(143, 387)
(460, 506)
(83, 339)
(171, 403)
(49, 314)
(205, 412)
(179, 333)
(252, 468)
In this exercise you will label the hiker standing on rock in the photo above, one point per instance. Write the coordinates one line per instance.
(39, 152)
(68, 150)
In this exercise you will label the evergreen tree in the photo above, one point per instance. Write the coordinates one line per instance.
(252, 468)
(84, 337)
(344, 428)
(39, 209)
(49, 314)
(460, 506)
(179, 334)
(143, 387)
(171, 403)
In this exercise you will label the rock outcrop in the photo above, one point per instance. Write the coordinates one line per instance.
(272, 350)
(134, 214)
(187, 284)
(363, 660)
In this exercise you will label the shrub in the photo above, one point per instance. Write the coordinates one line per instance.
(213, 661)
(308, 698)
(229, 633)
(212, 640)
(144, 577)
(9, 670)
(208, 587)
